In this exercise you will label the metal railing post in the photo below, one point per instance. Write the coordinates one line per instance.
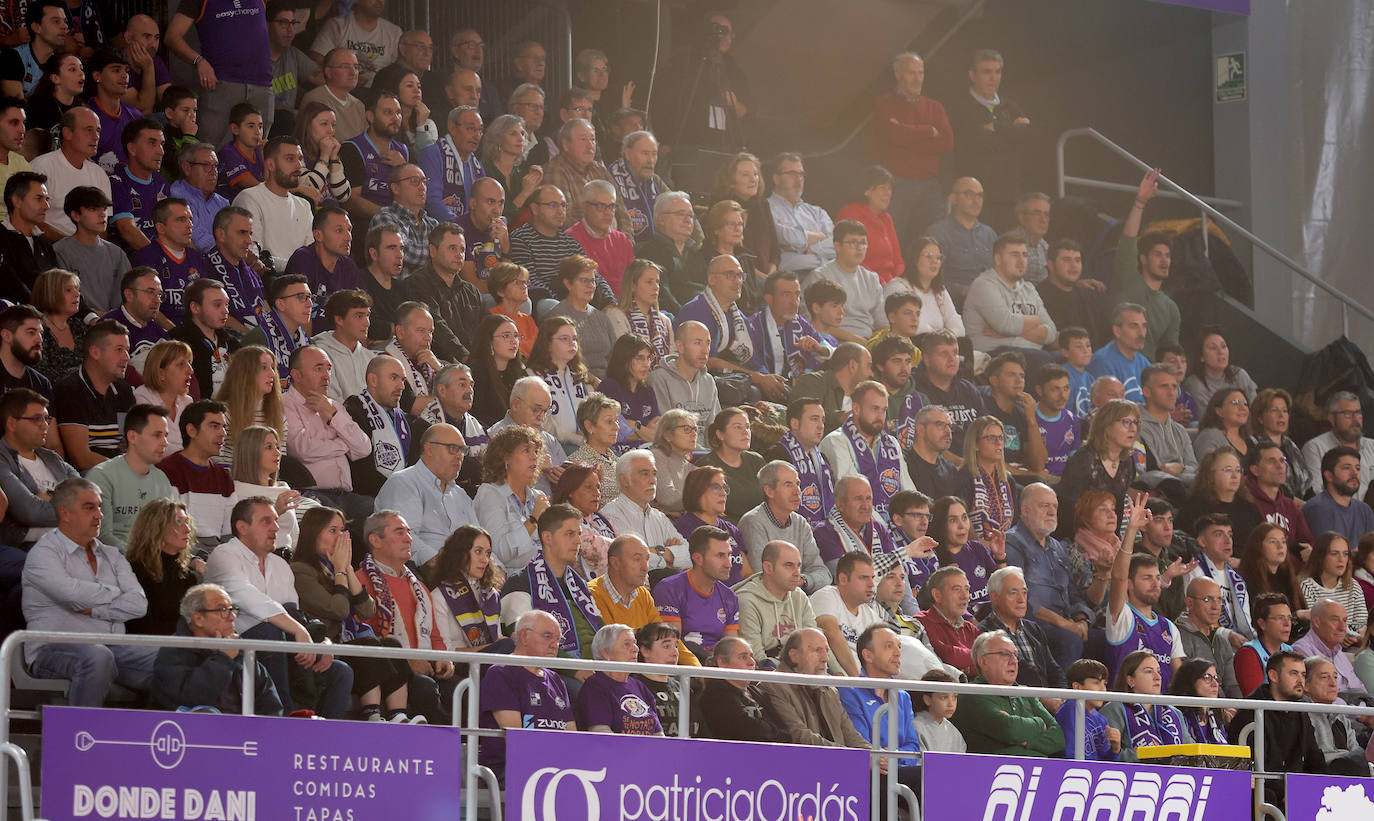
(470, 742)
(874, 772)
(893, 764)
(250, 686)
(7, 651)
(1206, 240)
(684, 706)
(1258, 746)
(1080, 735)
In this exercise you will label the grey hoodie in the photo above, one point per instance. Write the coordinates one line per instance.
(698, 396)
(765, 621)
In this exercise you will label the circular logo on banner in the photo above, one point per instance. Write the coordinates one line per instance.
(811, 499)
(890, 480)
(634, 706)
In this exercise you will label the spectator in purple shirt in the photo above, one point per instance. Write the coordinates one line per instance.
(524, 697)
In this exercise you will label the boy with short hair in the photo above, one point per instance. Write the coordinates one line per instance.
(99, 263)
(825, 300)
(1077, 348)
(1185, 409)
(933, 727)
(240, 160)
(1059, 426)
(179, 106)
(1100, 742)
(903, 319)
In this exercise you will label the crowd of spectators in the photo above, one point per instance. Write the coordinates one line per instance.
(331, 349)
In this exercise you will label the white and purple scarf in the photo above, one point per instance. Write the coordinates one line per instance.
(813, 473)
(478, 616)
(735, 343)
(420, 379)
(883, 469)
(388, 615)
(1154, 725)
(279, 340)
(637, 197)
(792, 332)
(652, 328)
(1239, 598)
(547, 595)
(389, 432)
(904, 426)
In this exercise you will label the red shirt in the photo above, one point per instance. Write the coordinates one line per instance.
(404, 596)
(612, 253)
(954, 645)
(884, 251)
(911, 147)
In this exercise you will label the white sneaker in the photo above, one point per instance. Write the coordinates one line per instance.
(374, 716)
(402, 718)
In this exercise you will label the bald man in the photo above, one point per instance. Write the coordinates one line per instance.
(681, 379)
(732, 347)
(148, 75)
(1202, 636)
(967, 242)
(464, 88)
(393, 435)
(427, 494)
(486, 231)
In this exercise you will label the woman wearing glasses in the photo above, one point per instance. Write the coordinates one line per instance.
(674, 441)
(984, 479)
(1225, 422)
(704, 496)
(724, 230)
(926, 280)
(1219, 488)
(1107, 461)
(1144, 725)
(159, 549)
(741, 180)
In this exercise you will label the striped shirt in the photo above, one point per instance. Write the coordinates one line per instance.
(541, 255)
(78, 404)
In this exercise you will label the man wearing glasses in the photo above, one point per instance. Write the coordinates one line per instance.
(469, 51)
(28, 470)
(426, 494)
(341, 67)
(576, 165)
(1203, 636)
(187, 678)
(966, 242)
(1005, 725)
(1344, 414)
(452, 165)
(284, 326)
(804, 230)
(540, 245)
(572, 104)
(407, 217)
(199, 175)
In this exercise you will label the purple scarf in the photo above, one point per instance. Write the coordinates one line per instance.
(546, 594)
(904, 426)
(992, 504)
(882, 469)
(652, 328)
(479, 617)
(817, 485)
(1153, 726)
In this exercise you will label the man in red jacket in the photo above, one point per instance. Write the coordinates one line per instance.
(912, 133)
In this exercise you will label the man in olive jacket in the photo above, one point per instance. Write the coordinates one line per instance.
(1004, 725)
(812, 715)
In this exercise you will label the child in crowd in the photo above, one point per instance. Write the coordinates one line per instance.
(1058, 425)
(1100, 742)
(99, 263)
(1185, 409)
(179, 106)
(825, 302)
(1077, 348)
(933, 726)
(240, 160)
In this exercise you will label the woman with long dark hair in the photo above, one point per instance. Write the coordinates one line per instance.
(581, 486)
(496, 365)
(926, 280)
(950, 526)
(1143, 725)
(1224, 422)
(1212, 369)
(627, 382)
(322, 178)
(1107, 459)
(1329, 574)
(1265, 564)
(1198, 678)
(467, 590)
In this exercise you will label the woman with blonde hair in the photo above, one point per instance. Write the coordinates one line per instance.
(57, 293)
(167, 381)
(508, 505)
(724, 229)
(638, 313)
(257, 461)
(985, 481)
(674, 442)
(1107, 460)
(159, 550)
(252, 392)
(741, 179)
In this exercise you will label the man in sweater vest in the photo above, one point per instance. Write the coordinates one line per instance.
(622, 592)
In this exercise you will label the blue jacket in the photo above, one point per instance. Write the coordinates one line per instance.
(1049, 579)
(862, 703)
(762, 350)
(1095, 744)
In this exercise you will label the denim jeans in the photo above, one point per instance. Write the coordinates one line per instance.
(92, 668)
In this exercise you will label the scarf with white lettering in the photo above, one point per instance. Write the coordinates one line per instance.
(882, 469)
(388, 614)
(1239, 598)
(791, 331)
(993, 503)
(478, 614)
(389, 432)
(1153, 726)
(813, 473)
(420, 379)
(279, 340)
(547, 595)
(458, 177)
(638, 198)
(735, 343)
(652, 328)
(1209, 733)
(904, 426)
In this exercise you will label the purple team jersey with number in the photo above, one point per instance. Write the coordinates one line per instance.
(624, 706)
(134, 199)
(233, 38)
(541, 700)
(175, 274)
(1062, 438)
(243, 286)
(109, 151)
(700, 618)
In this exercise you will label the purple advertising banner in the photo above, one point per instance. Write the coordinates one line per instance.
(1228, 6)
(561, 776)
(1003, 788)
(1329, 797)
(206, 767)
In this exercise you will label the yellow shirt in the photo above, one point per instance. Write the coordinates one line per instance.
(640, 611)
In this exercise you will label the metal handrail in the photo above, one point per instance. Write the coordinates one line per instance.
(1348, 303)
(474, 660)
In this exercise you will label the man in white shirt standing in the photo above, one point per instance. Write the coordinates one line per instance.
(632, 512)
(281, 221)
(263, 587)
(804, 230)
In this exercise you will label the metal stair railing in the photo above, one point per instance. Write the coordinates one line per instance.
(1208, 208)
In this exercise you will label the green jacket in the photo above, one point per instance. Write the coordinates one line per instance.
(1162, 316)
(1004, 725)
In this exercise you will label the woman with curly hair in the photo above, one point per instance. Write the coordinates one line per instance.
(557, 357)
(581, 486)
(598, 420)
(159, 550)
(508, 506)
(1107, 459)
(467, 591)
(741, 179)
(329, 590)
(252, 392)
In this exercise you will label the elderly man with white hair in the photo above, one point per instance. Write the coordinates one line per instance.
(1036, 667)
(1005, 725)
(1054, 602)
(633, 513)
(611, 249)
(1326, 639)
(530, 401)
(616, 702)
(524, 697)
(575, 164)
(854, 525)
(777, 519)
(670, 247)
(639, 185)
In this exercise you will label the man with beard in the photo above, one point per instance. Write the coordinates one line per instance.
(1132, 623)
(1336, 507)
(1289, 743)
(406, 215)
(21, 347)
(862, 446)
(368, 159)
(326, 263)
(453, 301)
(281, 221)
(1346, 418)
(452, 165)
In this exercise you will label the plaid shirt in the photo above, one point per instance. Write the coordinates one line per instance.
(414, 233)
